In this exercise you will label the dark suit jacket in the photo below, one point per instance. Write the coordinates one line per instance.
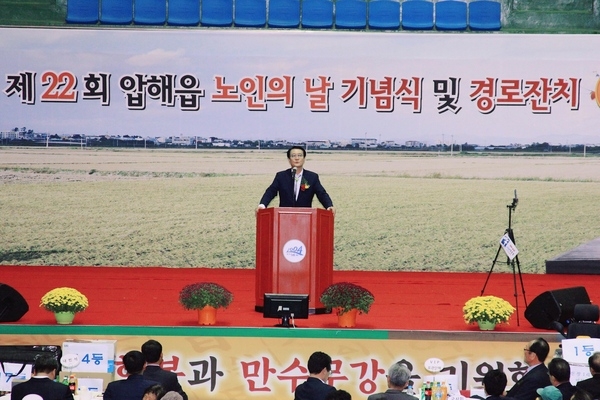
(591, 385)
(391, 394)
(167, 379)
(567, 390)
(525, 388)
(44, 387)
(313, 389)
(131, 388)
(283, 184)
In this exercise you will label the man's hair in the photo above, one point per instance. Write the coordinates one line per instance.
(152, 351)
(317, 361)
(338, 395)
(559, 368)
(157, 390)
(399, 374)
(134, 362)
(494, 382)
(541, 348)
(45, 363)
(594, 362)
(580, 394)
(297, 148)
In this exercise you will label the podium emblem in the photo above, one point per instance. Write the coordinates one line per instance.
(294, 250)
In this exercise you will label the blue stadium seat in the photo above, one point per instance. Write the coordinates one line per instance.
(250, 13)
(317, 14)
(216, 12)
(351, 14)
(184, 12)
(384, 14)
(119, 12)
(150, 12)
(451, 15)
(284, 13)
(417, 14)
(485, 15)
(83, 11)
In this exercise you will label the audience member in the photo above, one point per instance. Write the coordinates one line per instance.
(338, 395)
(135, 385)
(397, 380)
(581, 395)
(154, 392)
(592, 385)
(42, 382)
(172, 396)
(549, 393)
(559, 371)
(153, 352)
(494, 384)
(536, 376)
(316, 387)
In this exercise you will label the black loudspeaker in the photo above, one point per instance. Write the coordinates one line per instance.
(555, 306)
(12, 305)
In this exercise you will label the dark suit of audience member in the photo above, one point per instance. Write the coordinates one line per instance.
(494, 384)
(536, 376)
(397, 380)
(592, 385)
(135, 385)
(42, 382)
(153, 352)
(315, 388)
(559, 371)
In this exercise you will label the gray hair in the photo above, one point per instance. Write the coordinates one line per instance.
(399, 374)
(172, 396)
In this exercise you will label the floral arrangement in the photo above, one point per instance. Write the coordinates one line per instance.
(304, 185)
(64, 299)
(487, 308)
(202, 294)
(345, 296)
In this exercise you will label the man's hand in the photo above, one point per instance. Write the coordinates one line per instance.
(260, 207)
(332, 209)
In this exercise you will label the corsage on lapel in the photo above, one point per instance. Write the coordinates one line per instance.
(304, 185)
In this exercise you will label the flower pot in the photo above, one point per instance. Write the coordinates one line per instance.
(64, 318)
(207, 315)
(486, 325)
(347, 319)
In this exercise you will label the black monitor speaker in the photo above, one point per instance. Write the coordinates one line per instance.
(12, 305)
(555, 306)
(285, 307)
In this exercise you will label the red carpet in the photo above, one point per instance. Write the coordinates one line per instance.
(403, 300)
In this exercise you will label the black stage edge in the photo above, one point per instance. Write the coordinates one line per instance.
(584, 260)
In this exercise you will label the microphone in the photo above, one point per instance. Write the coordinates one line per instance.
(293, 172)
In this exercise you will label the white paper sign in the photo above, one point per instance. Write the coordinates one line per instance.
(509, 247)
(92, 355)
(10, 371)
(577, 351)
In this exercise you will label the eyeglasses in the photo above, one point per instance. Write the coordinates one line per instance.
(527, 350)
(296, 155)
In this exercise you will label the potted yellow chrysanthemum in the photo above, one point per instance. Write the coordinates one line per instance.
(64, 302)
(487, 311)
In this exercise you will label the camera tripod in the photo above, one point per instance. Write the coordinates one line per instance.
(513, 263)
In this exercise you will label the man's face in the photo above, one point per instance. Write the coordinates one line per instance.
(528, 356)
(296, 158)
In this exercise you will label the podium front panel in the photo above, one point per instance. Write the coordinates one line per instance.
(292, 268)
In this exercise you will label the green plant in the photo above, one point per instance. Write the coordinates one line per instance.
(64, 299)
(487, 308)
(345, 296)
(201, 294)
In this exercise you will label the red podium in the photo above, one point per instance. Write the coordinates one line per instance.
(294, 253)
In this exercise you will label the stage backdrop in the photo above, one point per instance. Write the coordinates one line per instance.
(301, 85)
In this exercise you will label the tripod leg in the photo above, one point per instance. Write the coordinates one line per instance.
(516, 294)
(491, 269)
(521, 279)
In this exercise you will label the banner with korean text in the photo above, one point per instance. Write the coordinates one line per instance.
(302, 85)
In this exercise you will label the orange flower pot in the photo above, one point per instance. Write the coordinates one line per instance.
(207, 315)
(348, 319)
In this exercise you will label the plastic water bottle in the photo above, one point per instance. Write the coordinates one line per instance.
(437, 391)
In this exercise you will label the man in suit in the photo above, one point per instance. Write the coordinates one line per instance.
(153, 352)
(296, 186)
(135, 385)
(42, 382)
(559, 371)
(316, 387)
(397, 380)
(592, 385)
(536, 376)
(494, 383)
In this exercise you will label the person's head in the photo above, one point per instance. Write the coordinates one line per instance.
(549, 393)
(45, 364)
(317, 362)
(296, 156)
(338, 395)
(559, 371)
(580, 395)
(494, 382)
(536, 351)
(594, 363)
(134, 362)
(154, 392)
(152, 350)
(398, 376)
(172, 396)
